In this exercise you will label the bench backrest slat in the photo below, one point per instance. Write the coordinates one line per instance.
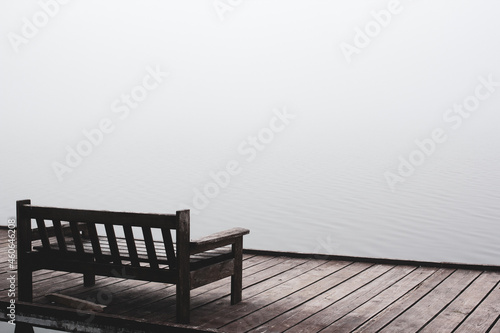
(169, 247)
(132, 248)
(150, 247)
(43, 233)
(61, 242)
(77, 238)
(105, 217)
(94, 239)
(113, 245)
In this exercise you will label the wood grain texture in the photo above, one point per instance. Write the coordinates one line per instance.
(406, 301)
(463, 305)
(363, 313)
(484, 315)
(433, 303)
(496, 327)
(217, 240)
(75, 303)
(323, 319)
(315, 281)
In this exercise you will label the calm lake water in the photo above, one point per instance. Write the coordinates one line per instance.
(293, 198)
(308, 129)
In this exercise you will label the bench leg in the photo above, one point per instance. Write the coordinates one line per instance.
(237, 277)
(89, 276)
(88, 279)
(23, 328)
(25, 279)
(183, 301)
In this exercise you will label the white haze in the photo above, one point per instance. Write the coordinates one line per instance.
(319, 186)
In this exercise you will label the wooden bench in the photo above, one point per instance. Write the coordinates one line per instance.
(106, 243)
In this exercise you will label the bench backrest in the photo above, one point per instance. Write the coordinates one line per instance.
(107, 248)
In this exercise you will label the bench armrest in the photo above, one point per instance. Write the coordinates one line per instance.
(216, 240)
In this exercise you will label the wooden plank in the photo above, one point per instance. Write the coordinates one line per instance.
(53, 282)
(140, 299)
(61, 241)
(237, 277)
(203, 276)
(389, 313)
(105, 217)
(76, 237)
(257, 296)
(320, 279)
(221, 236)
(113, 246)
(360, 315)
(251, 267)
(43, 233)
(25, 266)
(148, 239)
(35, 233)
(460, 308)
(217, 294)
(39, 277)
(319, 302)
(94, 239)
(183, 282)
(75, 303)
(432, 304)
(484, 315)
(169, 247)
(144, 304)
(70, 285)
(337, 309)
(105, 291)
(496, 326)
(131, 246)
(65, 319)
(123, 249)
(217, 239)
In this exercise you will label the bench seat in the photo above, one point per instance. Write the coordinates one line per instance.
(198, 260)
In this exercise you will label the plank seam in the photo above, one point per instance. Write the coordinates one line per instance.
(396, 300)
(173, 295)
(493, 325)
(284, 281)
(285, 296)
(345, 267)
(448, 304)
(414, 269)
(418, 300)
(475, 308)
(225, 294)
(346, 294)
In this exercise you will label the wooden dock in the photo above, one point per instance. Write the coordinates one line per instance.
(282, 292)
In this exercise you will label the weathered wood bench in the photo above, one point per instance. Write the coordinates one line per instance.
(106, 243)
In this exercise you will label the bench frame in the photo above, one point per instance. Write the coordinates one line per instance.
(185, 274)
